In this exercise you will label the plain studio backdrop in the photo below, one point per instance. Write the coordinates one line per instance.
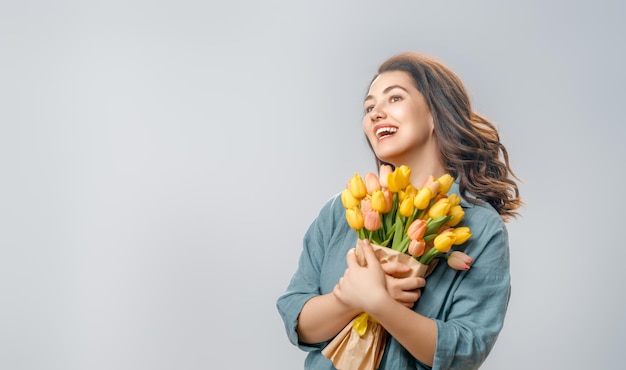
(161, 160)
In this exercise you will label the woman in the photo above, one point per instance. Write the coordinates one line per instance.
(416, 113)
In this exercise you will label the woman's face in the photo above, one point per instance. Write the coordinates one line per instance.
(397, 120)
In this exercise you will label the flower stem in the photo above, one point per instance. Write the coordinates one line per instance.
(428, 256)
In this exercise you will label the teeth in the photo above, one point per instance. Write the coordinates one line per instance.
(385, 131)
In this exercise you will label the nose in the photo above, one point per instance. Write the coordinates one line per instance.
(377, 113)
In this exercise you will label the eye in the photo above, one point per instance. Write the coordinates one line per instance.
(369, 108)
(395, 98)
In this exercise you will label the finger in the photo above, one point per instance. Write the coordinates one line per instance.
(410, 283)
(337, 292)
(368, 252)
(421, 282)
(351, 258)
(395, 268)
(409, 298)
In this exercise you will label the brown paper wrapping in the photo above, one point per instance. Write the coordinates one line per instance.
(348, 350)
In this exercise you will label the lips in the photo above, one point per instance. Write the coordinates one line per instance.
(385, 131)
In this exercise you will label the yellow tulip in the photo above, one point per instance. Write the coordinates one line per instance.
(388, 200)
(405, 175)
(357, 187)
(422, 199)
(383, 175)
(446, 182)
(393, 183)
(399, 178)
(348, 200)
(457, 214)
(461, 234)
(406, 207)
(454, 199)
(440, 208)
(371, 183)
(444, 241)
(411, 190)
(355, 218)
(378, 201)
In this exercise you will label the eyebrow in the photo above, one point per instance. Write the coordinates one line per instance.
(387, 89)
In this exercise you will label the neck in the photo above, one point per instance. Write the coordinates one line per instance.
(422, 166)
(421, 170)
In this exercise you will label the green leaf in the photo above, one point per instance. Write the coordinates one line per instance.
(434, 225)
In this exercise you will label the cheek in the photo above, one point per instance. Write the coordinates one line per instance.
(367, 129)
(399, 111)
(365, 124)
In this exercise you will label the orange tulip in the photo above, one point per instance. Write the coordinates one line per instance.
(416, 230)
(416, 248)
(459, 261)
(383, 175)
(371, 183)
(372, 220)
(432, 184)
(366, 205)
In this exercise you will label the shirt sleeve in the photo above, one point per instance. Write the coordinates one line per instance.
(305, 283)
(479, 301)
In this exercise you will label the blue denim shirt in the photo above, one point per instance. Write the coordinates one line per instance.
(468, 306)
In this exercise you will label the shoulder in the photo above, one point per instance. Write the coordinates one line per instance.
(489, 243)
(482, 218)
(332, 210)
(330, 220)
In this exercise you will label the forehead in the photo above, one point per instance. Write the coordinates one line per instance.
(391, 78)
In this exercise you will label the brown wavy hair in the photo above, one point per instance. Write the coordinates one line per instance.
(469, 144)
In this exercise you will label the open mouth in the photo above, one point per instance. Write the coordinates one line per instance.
(385, 131)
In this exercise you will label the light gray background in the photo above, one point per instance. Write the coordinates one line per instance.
(161, 160)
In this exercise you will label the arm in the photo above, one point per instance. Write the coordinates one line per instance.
(322, 317)
(476, 306)
(310, 313)
(467, 308)
(306, 306)
(364, 289)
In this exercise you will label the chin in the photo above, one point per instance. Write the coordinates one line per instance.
(388, 159)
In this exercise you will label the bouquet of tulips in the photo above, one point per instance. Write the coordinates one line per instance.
(415, 226)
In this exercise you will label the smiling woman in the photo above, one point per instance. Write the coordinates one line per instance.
(395, 105)
(417, 114)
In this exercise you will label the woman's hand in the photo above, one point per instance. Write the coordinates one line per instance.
(405, 290)
(362, 286)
